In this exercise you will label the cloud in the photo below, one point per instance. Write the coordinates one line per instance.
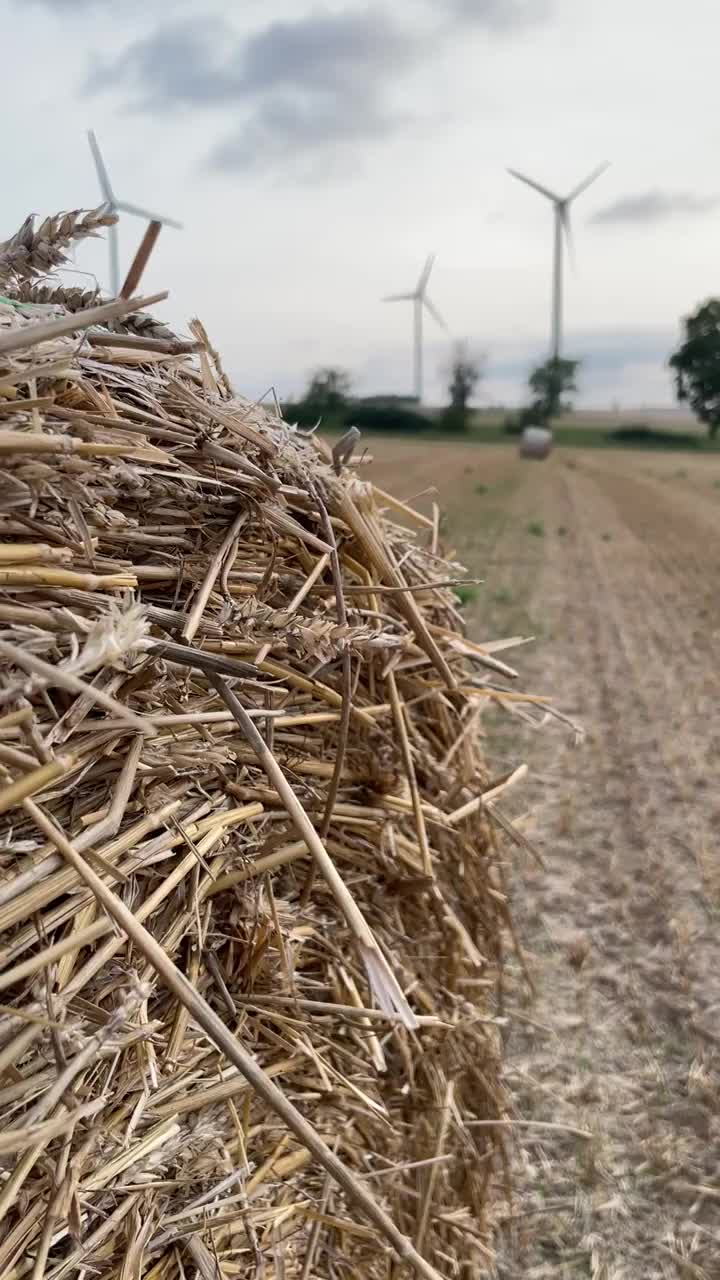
(308, 92)
(315, 137)
(179, 65)
(654, 206)
(303, 86)
(497, 15)
(72, 6)
(324, 49)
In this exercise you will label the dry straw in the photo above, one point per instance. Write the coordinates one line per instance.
(248, 872)
(33, 250)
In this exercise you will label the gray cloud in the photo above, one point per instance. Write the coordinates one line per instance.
(315, 138)
(654, 206)
(300, 86)
(176, 66)
(497, 15)
(323, 49)
(308, 91)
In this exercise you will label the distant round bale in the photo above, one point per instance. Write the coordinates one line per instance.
(535, 442)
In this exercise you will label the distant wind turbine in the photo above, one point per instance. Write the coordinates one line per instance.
(119, 206)
(561, 208)
(418, 297)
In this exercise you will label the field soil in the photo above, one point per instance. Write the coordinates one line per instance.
(611, 562)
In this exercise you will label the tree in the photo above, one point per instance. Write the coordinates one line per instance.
(328, 390)
(696, 365)
(549, 383)
(465, 372)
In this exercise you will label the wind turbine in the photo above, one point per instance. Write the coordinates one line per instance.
(418, 297)
(561, 209)
(119, 206)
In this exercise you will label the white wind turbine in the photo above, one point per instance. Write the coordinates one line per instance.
(119, 206)
(419, 299)
(561, 209)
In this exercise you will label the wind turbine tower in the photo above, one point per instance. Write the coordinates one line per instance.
(419, 298)
(119, 206)
(561, 217)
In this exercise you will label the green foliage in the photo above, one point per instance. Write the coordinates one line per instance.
(328, 390)
(465, 593)
(696, 365)
(536, 529)
(302, 414)
(325, 400)
(651, 436)
(368, 417)
(481, 488)
(549, 383)
(464, 374)
(515, 423)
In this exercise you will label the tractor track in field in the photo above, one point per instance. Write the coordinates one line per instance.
(627, 941)
(615, 570)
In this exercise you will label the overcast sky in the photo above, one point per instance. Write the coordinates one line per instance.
(317, 152)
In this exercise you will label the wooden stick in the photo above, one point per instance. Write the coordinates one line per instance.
(226, 1042)
(140, 261)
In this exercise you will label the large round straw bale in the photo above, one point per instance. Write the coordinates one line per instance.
(252, 901)
(535, 442)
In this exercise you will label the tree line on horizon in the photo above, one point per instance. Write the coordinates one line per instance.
(695, 365)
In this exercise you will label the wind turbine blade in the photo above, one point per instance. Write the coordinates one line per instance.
(586, 182)
(125, 207)
(544, 191)
(434, 313)
(399, 297)
(425, 275)
(102, 172)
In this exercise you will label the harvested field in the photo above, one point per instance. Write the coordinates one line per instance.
(611, 561)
